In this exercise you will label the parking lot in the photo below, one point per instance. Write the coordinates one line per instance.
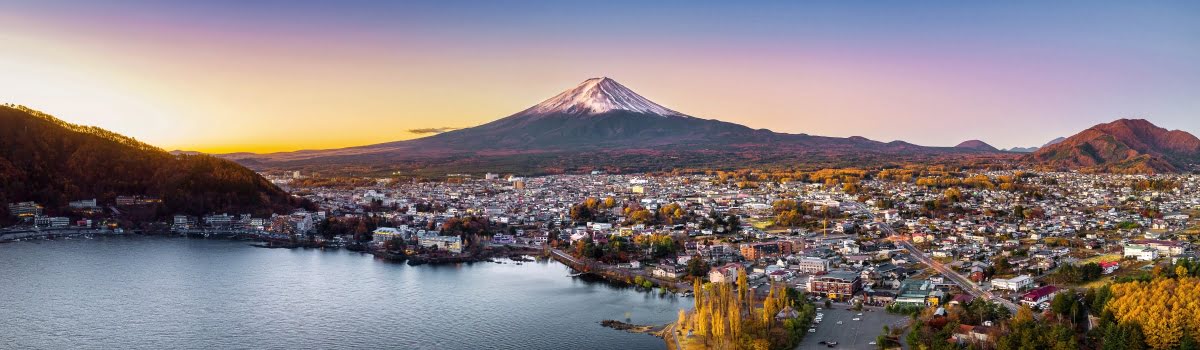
(851, 334)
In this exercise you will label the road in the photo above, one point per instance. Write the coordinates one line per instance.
(964, 283)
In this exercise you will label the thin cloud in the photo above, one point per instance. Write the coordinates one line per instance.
(440, 130)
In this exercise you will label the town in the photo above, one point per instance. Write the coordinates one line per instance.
(901, 240)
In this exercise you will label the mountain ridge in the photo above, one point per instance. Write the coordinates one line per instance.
(1122, 146)
(49, 161)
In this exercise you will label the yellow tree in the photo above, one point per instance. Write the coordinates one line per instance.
(743, 287)
(735, 320)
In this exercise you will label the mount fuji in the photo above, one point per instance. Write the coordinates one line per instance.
(601, 124)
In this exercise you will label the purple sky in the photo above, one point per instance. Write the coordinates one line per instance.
(281, 75)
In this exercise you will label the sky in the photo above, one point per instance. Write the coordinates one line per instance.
(263, 76)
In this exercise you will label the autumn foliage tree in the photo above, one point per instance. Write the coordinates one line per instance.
(1166, 309)
(729, 316)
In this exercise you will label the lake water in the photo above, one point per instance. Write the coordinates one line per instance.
(176, 293)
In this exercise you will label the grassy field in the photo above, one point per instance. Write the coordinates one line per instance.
(763, 224)
(1102, 258)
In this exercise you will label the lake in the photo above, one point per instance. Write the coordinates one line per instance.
(177, 293)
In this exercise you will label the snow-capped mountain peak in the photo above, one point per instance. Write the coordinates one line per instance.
(599, 95)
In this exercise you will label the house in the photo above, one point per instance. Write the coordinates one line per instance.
(787, 313)
(967, 334)
(1108, 267)
(671, 271)
(1039, 295)
(779, 275)
(725, 274)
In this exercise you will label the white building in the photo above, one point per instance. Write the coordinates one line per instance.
(1014, 284)
(813, 265)
(1140, 252)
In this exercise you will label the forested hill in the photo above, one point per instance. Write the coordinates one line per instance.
(53, 162)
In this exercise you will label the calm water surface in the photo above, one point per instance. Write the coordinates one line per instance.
(176, 293)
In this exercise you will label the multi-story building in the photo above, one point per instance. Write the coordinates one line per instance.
(25, 209)
(218, 220)
(837, 285)
(754, 251)
(136, 200)
(384, 234)
(813, 265)
(182, 222)
(83, 204)
(46, 221)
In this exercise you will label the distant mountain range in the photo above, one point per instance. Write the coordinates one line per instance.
(602, 124)
(52, 162)
(1022, 149)
(1122, 146)
(1035, 148)
(597, 125)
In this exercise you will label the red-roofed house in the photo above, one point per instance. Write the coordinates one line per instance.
(1039, 295)
(1109, 267)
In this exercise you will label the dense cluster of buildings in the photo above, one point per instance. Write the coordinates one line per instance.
(1003, 240)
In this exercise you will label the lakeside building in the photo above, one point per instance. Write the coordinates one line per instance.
(52, 222)
(451, 244)
(725, 274)
(218, 220)
(25, 209)
(83, 204)
(182, 222)
(384, 234)
(128, 201)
